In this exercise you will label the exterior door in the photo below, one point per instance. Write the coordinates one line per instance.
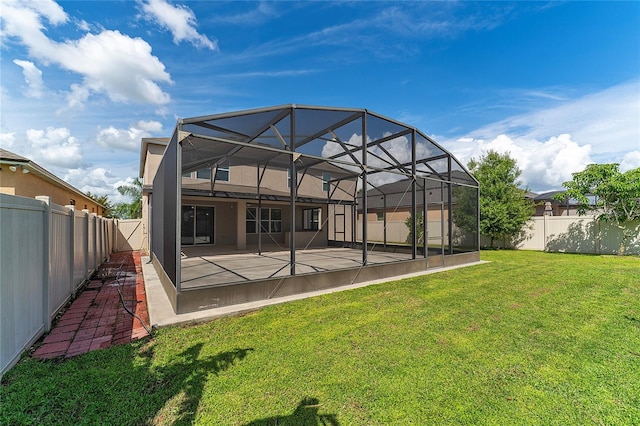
(197, 225)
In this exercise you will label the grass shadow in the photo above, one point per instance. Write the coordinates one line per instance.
(305, 414)
(124, 385)
(186, 376)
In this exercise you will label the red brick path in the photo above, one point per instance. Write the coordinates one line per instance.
(97, 319)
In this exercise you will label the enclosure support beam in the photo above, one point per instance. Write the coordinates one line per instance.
(449, 196)
(178, 204)
(364, 189)
(259, 211)
(425, 229)
(414, 210)
(384, 218)
(442, 221)
(293, 193)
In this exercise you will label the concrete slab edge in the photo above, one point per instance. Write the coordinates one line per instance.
(161, 313)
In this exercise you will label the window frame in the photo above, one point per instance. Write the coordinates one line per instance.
(273, 225)
(310, 221)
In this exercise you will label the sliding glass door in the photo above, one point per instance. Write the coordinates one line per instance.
(197, 225)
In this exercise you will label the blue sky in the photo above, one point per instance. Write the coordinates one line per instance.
(557, 85)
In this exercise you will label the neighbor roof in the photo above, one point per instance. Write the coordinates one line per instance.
(8, 157)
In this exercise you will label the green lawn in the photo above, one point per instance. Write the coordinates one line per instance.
(530, 338)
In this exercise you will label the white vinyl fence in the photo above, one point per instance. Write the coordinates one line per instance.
(46, 252)
(575, 234)
(129, 236)
(570, 234)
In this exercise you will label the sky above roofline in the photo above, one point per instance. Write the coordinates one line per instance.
(557, 85)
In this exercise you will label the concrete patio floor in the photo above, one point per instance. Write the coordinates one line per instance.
(162, 314)
(204, 267)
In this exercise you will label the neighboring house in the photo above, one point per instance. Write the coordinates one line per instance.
(21, 176)
(546, 205)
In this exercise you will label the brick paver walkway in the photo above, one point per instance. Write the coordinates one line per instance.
(97, 319)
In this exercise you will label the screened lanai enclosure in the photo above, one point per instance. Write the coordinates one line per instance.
(270, 202)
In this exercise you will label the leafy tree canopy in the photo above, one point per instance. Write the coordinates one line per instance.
(613, 197)
(504, 210)
(104, 201)
(133, 209)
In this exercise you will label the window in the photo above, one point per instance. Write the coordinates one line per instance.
(379, 215)
(326, 181)
(311, 219)
(203, 174)
(270, 220)
(288, 178)
(222, 174)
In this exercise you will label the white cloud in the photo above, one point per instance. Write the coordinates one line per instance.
(544, 164)
(630, 161)
(553, 143)
(608, 120)
(150, 125)
(53, 147)
(49, 9)
(180, 20)
(262, 13)
(7, 140)
(110, 63)
(33, 78)
(128, 139)
(99, 181)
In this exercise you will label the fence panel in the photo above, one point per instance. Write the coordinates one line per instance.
(22, 274)
(80, 242)
(574, 234)
(46, 252)
(60, 245)
(91, 264)
(129, 235)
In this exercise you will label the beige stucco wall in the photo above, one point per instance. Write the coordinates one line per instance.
(31, 185)
(229, 221)
(225, 218)
(154, 156)
(151, 164)
(402, 215)
(276, 179)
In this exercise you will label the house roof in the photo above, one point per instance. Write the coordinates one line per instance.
(8, 157)
(397, 195)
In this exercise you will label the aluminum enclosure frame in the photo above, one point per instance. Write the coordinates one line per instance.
(356, 147)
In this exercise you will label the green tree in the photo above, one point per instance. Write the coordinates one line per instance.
(104, 201)
(612, 196)
(133, 209)
(420, 229)
(464, 214)
(504, 210)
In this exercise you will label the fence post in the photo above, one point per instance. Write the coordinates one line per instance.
(544, 233)
(72, 239)
(598, 247)
(94, 217)
(46, 248)
(85, 243)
